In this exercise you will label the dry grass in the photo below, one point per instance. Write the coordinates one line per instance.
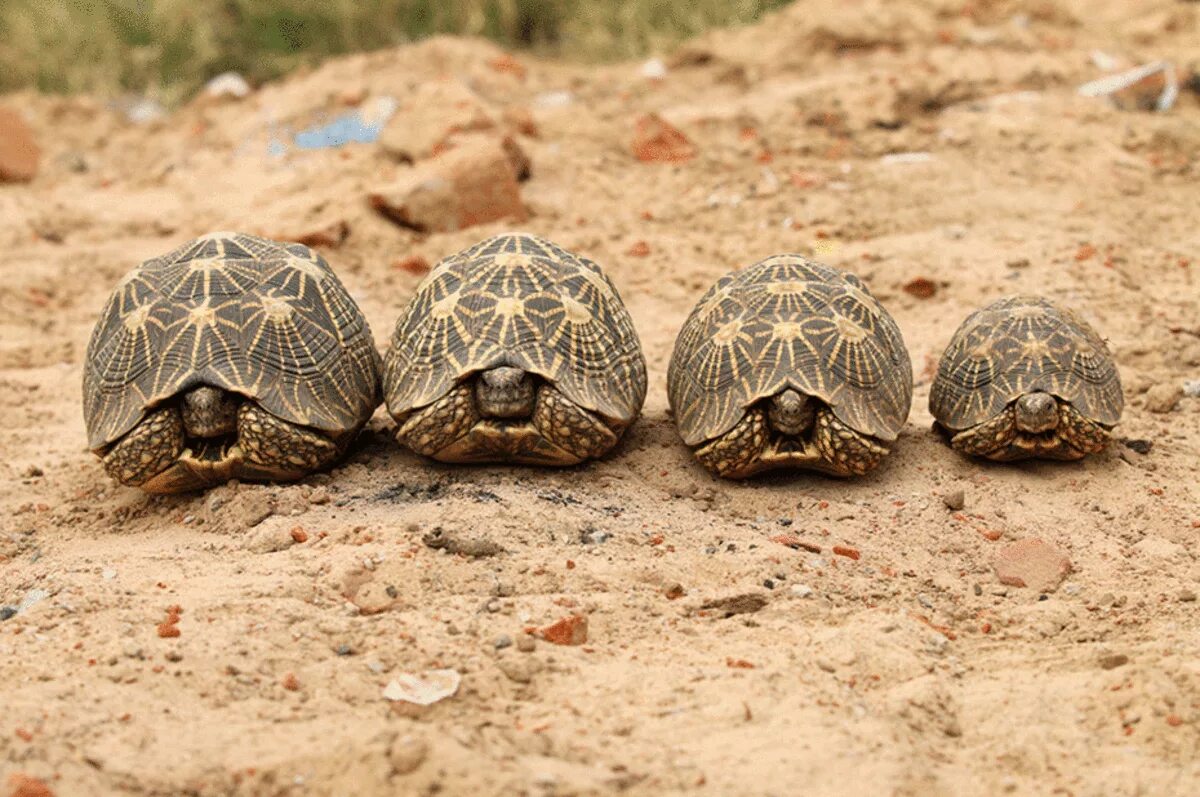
(167, 48)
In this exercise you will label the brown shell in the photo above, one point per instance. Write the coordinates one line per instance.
(789, 322)
(270, 321)
(521, 301)
(1017, 345)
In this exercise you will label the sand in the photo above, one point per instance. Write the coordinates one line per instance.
(857, 637)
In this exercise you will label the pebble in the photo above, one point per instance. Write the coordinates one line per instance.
(1111, 661)
(407, 753)
(108, 574)
(344, 650)
(954, 500)
(474, 183)
(526, 644)
(502, 641)
(801, 590)
(746, 603)
(657, 141)
(571, 630)
(1032, 563)
(1191, 388)
(19, 154)
(7, 611)
(519, 669)
(1163, 397)
(1187, 596)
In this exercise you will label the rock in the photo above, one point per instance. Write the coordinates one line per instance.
(657, 141)
(434, 113)
(746, 603)
(245, 510)
(22, 785)
(19, 154)
(519, 669)
(1163, 397)
(921, 288)
(800, 590)
(372, 597)
(7, 612)
(1187, 596)
(1111, 661)
(1142, 447)
(271, 537)
(503, 641)
(954, 500)
(1032, 563)
(571, 630)
(526, 644)
(407, 753)
(471, 184)
(455, 542)
(1191, 388)
(227, 84)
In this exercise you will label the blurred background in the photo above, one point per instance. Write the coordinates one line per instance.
(168, 48)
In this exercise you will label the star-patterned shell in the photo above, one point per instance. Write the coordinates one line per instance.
(521, 301)
(789, 322)
(267, 320)
(1017, 345)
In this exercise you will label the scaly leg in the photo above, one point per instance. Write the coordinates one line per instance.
(568, 426)
(845, 451)
(1077, 435)
(992, 438)
(147, 449)
(430, 429)
(276, 446)
(734, 454)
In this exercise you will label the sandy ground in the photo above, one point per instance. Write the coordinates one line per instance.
(907, 670)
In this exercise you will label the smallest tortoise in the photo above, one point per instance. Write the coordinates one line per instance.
(232, 356)
(1024, 377)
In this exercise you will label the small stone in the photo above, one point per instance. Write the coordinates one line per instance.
(801, 590)
(826, 665)
(173, 655)
(1163, 397)
(32, 472)
(674, 591)
(7, 611)
(319, 496)
(571, 630)
(954, 500)
(1191, 388)
(472, 184)
(290, 682)
(407, 753)
(657, 141)
(1032, 563)
(19, 155)
(22, 785)
(519, 669)
(108, 574)
(503, 641)
(492, 606)
(921, 288)
(1142, 447)
(432, 115)
(455, 542)
(746, 603)
(270, 537)
(344, 650)
(526, 644)
(1187, 596)
(1111, 661)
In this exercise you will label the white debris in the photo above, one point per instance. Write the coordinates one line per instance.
(144, 111)
(32, 598)
(227, 84)
(1191, 388)
(1112, 84)
(425, 689)
(554, 99)
(108, 574)
(801, 590)
(376, 111)
(900, 158)
(1102, 60)
(654, 69)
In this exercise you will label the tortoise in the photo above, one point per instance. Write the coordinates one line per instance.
(789, 363)
(1026, 377)
(514, 350)
(231, 356)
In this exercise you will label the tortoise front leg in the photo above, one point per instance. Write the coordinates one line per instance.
(845, 452)
(431, 429)
(148, 449)
(278, 448)
(735, 453)
(992, 438)
(562, 423)
(1077, 436)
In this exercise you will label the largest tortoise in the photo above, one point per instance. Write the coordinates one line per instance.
(514, 350)
(789, 363)
(231, 356)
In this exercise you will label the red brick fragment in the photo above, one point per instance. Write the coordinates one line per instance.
(571, 630)
(299, 534)
(845, 550)
(290, 682)
(22, 785)
(657, 141)
(168, 630)
(1032, 563)
(639, 249)
(920, 287)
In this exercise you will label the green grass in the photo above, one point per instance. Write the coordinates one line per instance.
(168, 48)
